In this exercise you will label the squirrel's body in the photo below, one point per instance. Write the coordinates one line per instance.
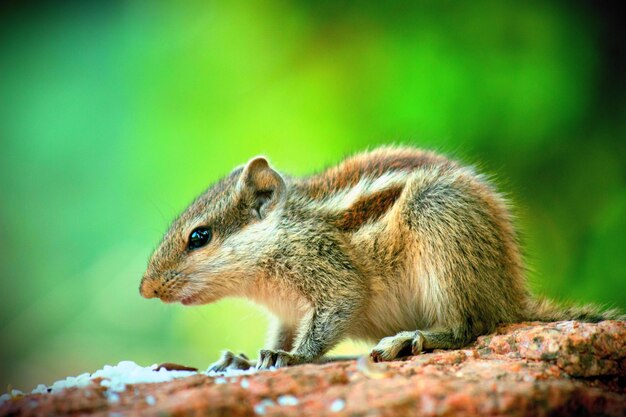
(396, 244)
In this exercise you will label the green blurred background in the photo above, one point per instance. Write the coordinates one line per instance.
(115, 115)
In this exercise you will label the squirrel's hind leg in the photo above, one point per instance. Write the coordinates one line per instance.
(415, 342)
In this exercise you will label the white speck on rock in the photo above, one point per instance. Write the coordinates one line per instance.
(150, 400)
(41, 389)
(260, 407)
(220, 381)
(337, 405)
(566, 325)
(245, 384)
(287, 400)
(113, 397)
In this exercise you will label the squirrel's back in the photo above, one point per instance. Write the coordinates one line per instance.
(373, 164)
(433, 239)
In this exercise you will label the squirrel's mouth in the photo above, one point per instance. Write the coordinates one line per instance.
(191, 300)
(195, 299)
(194, 296)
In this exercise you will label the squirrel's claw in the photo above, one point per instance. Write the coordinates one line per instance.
(276, 358)
(229, 361)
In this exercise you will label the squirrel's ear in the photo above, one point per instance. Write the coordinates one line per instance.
(266, 185)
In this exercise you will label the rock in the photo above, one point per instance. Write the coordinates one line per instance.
(527, 369)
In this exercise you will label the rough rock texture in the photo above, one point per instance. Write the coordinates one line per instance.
(527, 369)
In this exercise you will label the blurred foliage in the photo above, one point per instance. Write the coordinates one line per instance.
(115, 115)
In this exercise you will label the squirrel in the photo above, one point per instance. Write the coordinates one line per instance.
(397, 245)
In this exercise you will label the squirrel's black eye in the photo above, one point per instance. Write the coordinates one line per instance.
(199, 237)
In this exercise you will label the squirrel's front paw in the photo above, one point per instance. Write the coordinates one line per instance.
(230, 361)
(394, 347)
(277, 358)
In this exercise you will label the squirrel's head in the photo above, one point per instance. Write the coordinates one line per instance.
(212, 249)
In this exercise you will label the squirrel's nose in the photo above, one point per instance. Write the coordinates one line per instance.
(148, 288)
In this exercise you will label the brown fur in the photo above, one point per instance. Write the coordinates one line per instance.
(374, 164)
(398, 245)
(367, 209)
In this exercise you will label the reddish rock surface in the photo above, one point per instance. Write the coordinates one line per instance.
(527, 369)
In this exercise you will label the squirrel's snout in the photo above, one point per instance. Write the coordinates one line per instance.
(148, 288)
(155, 287)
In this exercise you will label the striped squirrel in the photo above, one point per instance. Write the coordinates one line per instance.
(399, 246)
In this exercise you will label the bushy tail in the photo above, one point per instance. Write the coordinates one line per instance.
(541, 309)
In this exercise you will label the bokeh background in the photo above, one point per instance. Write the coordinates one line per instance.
(115, 115)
